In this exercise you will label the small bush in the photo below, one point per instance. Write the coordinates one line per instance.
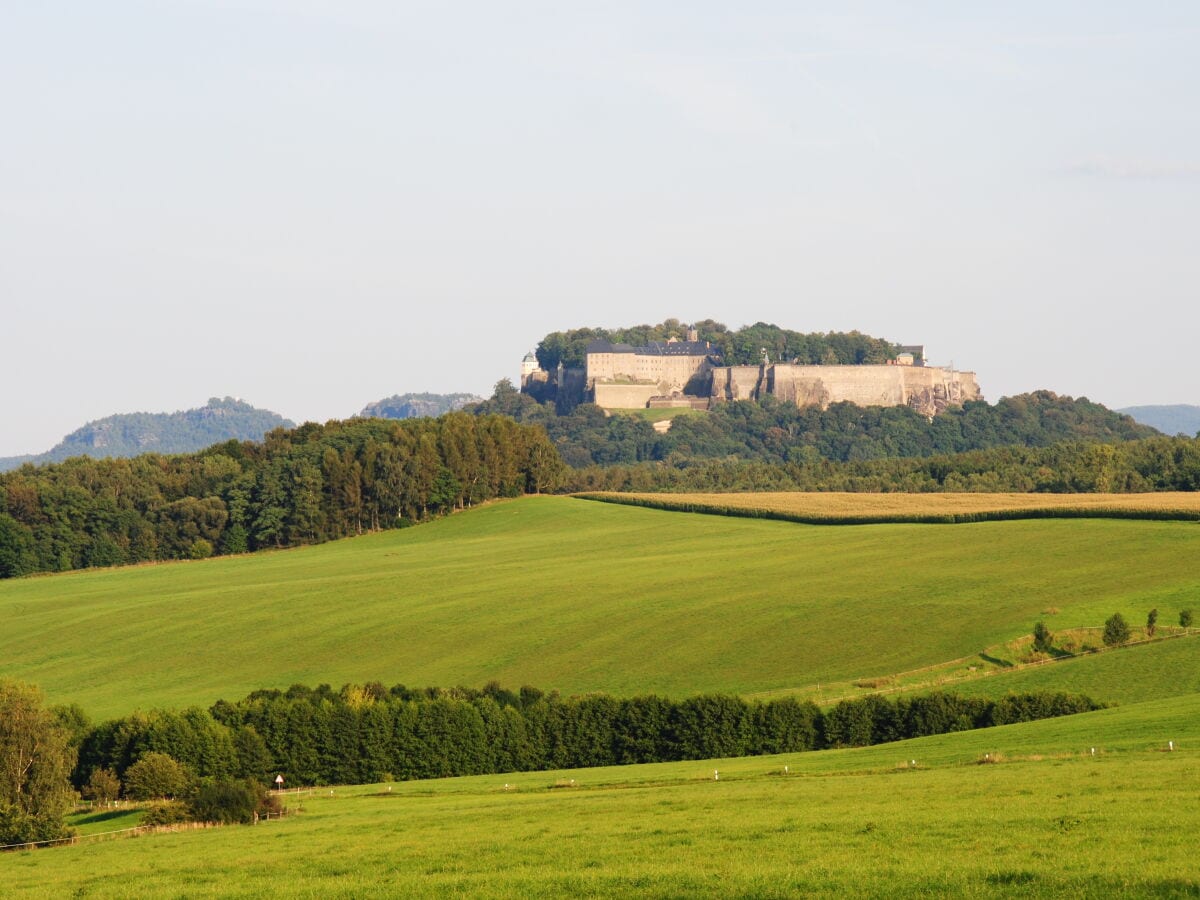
(170, 812)
(200, 549)
(873, 683)
(18, 826)
(230, 801)
(1185, 618)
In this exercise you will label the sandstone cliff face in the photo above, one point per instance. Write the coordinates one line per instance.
(931, 399)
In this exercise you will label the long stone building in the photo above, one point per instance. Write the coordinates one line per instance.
(689, 373)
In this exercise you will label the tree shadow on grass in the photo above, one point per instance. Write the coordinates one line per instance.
(103, 816)
(996, 661)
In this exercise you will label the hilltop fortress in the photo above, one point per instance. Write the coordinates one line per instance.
(690, 373)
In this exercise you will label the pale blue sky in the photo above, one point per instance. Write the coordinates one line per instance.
(313, 205)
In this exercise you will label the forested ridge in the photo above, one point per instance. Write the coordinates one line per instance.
(298, 486)
(775, 431)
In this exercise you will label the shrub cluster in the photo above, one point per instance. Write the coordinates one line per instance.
(369, 733)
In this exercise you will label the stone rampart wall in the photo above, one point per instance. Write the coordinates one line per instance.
(927, 389)
(736, 383)
(624, 396)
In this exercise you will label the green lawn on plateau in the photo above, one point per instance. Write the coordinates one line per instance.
(580, 596)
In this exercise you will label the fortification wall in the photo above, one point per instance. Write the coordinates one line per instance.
(736, 383)
(822, 385)
(927, 389)
(625, 396)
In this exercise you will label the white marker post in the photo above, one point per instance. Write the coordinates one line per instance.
(716, 775)
(1170, 745)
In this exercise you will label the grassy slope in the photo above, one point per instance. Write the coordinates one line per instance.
(582, 596)
(1129, 675)
(850, 822)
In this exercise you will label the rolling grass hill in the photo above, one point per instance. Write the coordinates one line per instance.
(1050, 819)
(1128, 675)
(578, 596)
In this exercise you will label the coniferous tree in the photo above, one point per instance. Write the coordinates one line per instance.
(1116, 630)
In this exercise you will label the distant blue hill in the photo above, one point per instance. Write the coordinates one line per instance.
(1179, 419)
(131, 434)
(413, 406)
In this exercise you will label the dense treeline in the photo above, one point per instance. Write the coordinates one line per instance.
(304, 485)
(369, 733)
(743, 346)
(779, 432)
(1154, 464)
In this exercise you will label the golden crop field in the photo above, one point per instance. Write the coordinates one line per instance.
(834, 506)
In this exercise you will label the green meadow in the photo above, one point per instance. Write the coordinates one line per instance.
(576, 596)
(580, 596)
(1048, 819)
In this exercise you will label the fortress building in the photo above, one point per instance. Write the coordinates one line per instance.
(619, 376)
(689, 373)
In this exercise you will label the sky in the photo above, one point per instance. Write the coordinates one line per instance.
(315, 205)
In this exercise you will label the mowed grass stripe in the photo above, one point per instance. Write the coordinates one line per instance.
(579, 596)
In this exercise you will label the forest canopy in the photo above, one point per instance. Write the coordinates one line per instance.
(298, 486)
(742, 346)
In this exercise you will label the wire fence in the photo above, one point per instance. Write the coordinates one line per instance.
(138, 830)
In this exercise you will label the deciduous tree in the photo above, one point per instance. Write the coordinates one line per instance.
(35, 764)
